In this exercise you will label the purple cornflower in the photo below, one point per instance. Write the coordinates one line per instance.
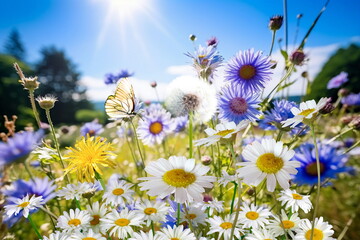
(180, 123)
(338, 80)
(213, 41)
(352, 99)
(92, 128)
(332, 162)
(249, 69)
(19, 146)
(236, 104)
(113, 78)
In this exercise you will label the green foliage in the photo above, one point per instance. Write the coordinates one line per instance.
(85, 115)
(58, 76)
(14, 99)
(347, 60)
(14, 46)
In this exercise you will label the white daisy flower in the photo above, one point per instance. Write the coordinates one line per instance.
(57, 236)
(211, 206)
(226, 178)
(145, 236)
(223, 130)
(90, 235)
(76, 191)
(260, 234)
(177, 175)
(119, 224)
(190, 94)
(290, 224)
(195, 215)
(268, 159)
(25, 204)
(177, 233)
(152, 211)
(118, 192)
(74, 220)
(96, 212)
(293, 200)
(322, 230)
(254, 216)
(224, 226)
(307, 111)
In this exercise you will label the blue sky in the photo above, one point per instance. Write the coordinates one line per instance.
(153, 36)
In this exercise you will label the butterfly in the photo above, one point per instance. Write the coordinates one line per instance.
(123, 103)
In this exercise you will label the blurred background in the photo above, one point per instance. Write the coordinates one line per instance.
(71, 45)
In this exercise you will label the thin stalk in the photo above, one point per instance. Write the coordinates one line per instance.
(137, 143)
(318, 183)
(236, 215)
(233, 155)
(278, 138)
(33, 106)
(98, 177)
(343, 232)
(233, 197)
(339, 135)
(272, 42)
(190, 134)
(29, 172)
(286, 24)
(77, 203)
(34, 227)
(352, 147)
(152, 227)
(178, 214)
(47, 112)
(132, 153)
(190, 223)
(280, 217)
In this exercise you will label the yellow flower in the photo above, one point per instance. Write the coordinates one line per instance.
(88, 153)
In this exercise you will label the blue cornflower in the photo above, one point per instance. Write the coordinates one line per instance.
(154, 127)
(352, 99)
(20, 188)
(250, 70)
(338, 80)
(281, 111)
(235, 104)
(171, 217)
(113, 78)
(18, 147)
(332, 162)
(206, 61)
(92, 128)
(180, 123)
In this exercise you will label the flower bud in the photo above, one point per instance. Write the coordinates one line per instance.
(47, 102)
(300, 15)
(89, 194)
(297, 57)
(212, 41)
(305, 74)
(346, 119)
(273, 64)
(192, 37)
(207, 198)
(343, 92)
(327, 108)
(355, 122)
(206, 160)
(153, 84)
(275, 22)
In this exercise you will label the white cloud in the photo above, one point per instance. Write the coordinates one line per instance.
(181, 70)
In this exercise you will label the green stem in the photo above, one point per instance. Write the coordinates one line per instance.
(34, 227)
(339, 135)
(77, 203)
(278, 138)
(138, 144)
(286, 24)
(318, 183)
(280, 217)
(236, 215)
(98, 177)
(47, 112)
(152, 227)
(29, 172)
(352, 147)
(233, 198)
(190, 134)
(233, 155)
(178, 214)
(33, 106)
(272, 42)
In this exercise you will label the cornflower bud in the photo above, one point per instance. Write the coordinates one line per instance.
(275, 22)
(297, 57)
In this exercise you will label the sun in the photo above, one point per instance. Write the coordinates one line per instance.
(126, 8)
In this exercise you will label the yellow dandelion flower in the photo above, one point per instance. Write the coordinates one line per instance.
(87, 155)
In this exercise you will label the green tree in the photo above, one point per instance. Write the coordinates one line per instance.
(345, 59)
(14, 99)
(14, 46)
(58, 76)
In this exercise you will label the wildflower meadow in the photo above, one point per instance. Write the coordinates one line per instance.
(213, 160)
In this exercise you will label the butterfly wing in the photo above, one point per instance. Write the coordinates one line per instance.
(122, 104)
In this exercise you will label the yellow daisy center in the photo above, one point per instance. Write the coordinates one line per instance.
(122, 222)
(155, 127)
(24, 204)
(247, 72)
(252, 215)
(318, 234)
(226, 225)
(223, 133)
(297, 196)
(311, 169)
(75, 222)
(269, 163)
(190, 216)
(179, 178)
(95, 220)
(306, 112)
(89, 238)
(174, 239)
(150, 210)
(288, 224)
(118, 191)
